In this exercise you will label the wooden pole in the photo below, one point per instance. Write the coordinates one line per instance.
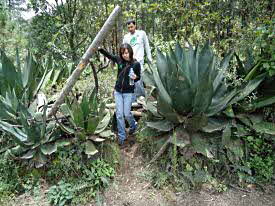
(101, 35)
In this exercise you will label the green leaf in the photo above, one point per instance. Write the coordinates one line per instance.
(152, 107)
(64, 108)
(163, 125)
(29, 154)
(103, 123)
(161, 89)
(221, 71)
(180, 137)
(96, 138)
(48, 149)
(63, 142)
(66, 129)
(20, 137)
(27, 72)
(214, 124)
(196, 122)
(85, 106)
(90, 148)
(162, 69)
(106, 134)
(218, 106)
(201, 145)
(45, 79)
(31, 129)
(226, 136)
(40, 159)
(265, 127)
(78, 116)
(148, 77)
(250, 87)
(244, 119)
(241, 131)
(259, 103)
(9, 70)
(50, 127)
(57, 74)
(92, 124)
(229, 112)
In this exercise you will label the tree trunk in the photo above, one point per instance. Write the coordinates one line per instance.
(102, 34)
(119, 31)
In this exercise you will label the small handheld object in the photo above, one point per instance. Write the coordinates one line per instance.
(132, 76)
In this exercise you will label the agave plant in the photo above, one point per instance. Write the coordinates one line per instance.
(189, 83)
(20, 117)
(35, 137)
(88, 121)
(192, 98)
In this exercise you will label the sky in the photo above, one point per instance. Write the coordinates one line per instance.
(29, 14)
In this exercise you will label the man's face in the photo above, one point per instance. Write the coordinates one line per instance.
(131, 28)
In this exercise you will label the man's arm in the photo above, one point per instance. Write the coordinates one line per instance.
(125, 39)
(147, 47)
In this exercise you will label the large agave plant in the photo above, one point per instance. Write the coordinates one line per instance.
(88, 120)
(191, 98)
(189, 86)
(20, 116)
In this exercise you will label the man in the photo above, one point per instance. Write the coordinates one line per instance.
(140, 44)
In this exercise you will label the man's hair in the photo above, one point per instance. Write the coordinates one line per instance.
(131, 21)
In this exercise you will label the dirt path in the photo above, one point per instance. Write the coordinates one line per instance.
(131, 189)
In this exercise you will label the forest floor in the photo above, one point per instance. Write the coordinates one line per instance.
(131, 188)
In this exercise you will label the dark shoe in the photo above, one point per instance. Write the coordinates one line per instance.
(122, 145)
(132, 131)
(121, 142)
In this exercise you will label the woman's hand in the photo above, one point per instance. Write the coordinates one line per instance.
(133, 76)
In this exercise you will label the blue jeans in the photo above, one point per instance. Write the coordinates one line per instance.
(123, 109)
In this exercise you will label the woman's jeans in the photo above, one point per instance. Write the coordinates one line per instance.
(123, 109)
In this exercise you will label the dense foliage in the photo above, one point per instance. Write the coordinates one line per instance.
(210, 109)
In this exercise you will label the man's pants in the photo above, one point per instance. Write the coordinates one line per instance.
(139, 88)
(123, 109)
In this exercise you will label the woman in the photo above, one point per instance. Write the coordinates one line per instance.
(128, 70)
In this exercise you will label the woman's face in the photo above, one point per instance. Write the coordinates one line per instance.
(125, 55)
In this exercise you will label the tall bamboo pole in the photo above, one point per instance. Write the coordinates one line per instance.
(102, 34)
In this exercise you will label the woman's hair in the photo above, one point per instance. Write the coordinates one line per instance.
(125, 46)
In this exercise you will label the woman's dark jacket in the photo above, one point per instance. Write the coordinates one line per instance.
(122, 83)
